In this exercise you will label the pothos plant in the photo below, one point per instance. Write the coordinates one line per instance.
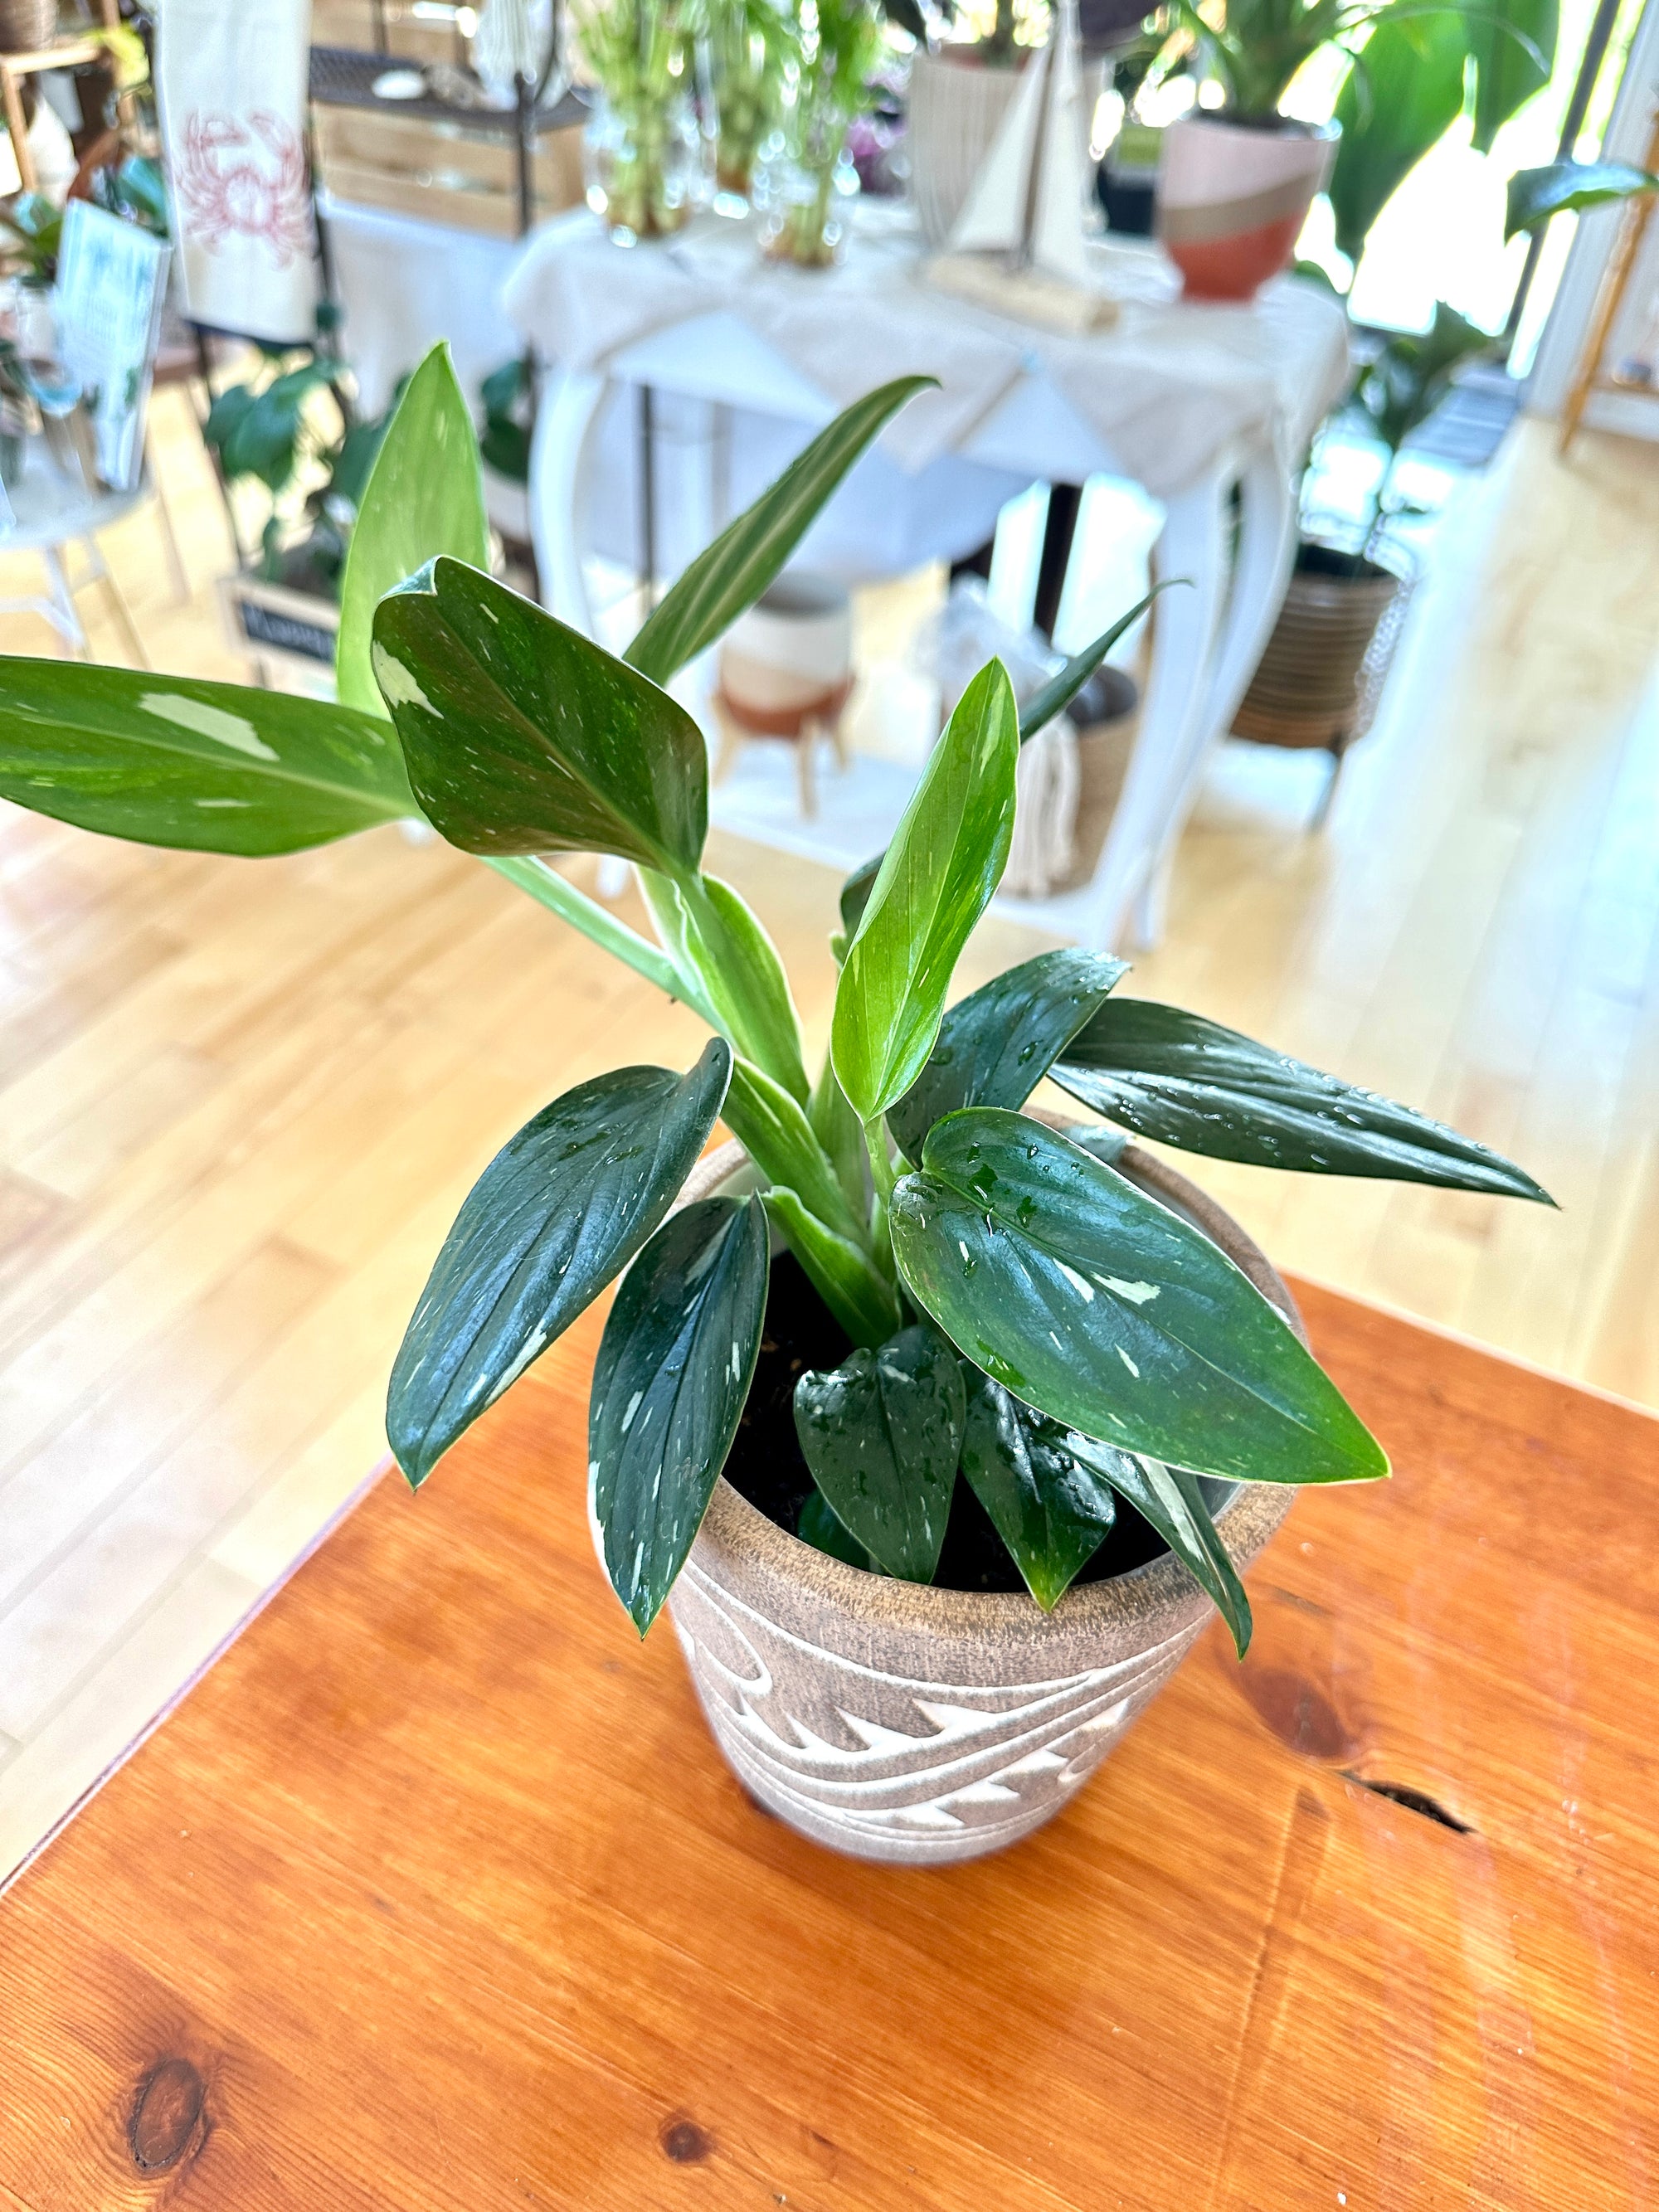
(1023, 1316)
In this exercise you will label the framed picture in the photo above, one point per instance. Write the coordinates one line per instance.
(111, 277)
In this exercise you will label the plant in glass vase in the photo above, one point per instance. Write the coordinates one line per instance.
(753, 45)
(841, 43)
(644, 152)
(1002, 1406)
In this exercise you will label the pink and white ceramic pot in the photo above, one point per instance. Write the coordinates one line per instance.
(1232, 198)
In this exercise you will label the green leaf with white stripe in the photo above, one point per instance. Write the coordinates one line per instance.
(1171, 1498)
(213, 768)
(1110, 1314)
(561, 1209)
(673, 1370)
(424, 497)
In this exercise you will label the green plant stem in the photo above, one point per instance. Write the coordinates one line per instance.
(881, 1164)
(548, 889)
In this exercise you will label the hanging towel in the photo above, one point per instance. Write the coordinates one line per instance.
(231, 82)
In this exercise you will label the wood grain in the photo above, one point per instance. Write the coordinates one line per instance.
(435, 1893)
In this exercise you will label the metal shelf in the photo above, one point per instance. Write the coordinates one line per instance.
(341, 76)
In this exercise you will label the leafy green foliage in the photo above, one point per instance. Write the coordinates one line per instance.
(560, 1210)
(1172, 1499)
(216, 768)
(1568, 187)
(721, 946)
(842, 1271)
(1058, 693)
(775, 1132)
(995, 1046)
(423, 495)
(523, 736)
(730, 575)
(1179, 1079)
(882, 1434)
(508, 397)
(673, 1370)
(1400, 101)
(1512, 44)
(820, 1526)
(255, 430)
(1052, 1512)
(1104, 1310)
(935, 881)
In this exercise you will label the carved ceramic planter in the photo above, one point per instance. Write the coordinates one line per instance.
(922, 1726)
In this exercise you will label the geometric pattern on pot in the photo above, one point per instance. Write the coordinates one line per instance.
(917, 1772)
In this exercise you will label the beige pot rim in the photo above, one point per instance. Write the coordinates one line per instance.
(881, 1605)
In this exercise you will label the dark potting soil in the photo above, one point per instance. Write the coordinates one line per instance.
(768, 1467)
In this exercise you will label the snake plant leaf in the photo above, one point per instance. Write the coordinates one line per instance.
(721, 945)
(1512, 43)
(821, 1526)
(1565, 187)
(882, 1434)
(1052, 1512)
(1396, 106)
(1182, 1081)
(936, 880)
(1058, 693)
(562, 1208)
(215, 767)
(674, 1368)
(727, 577)
(842, 1273)
(775, 1132)
(522, 736)
(424, 497)
(1102, 1308)
(1172, 1499)
(996, 1046)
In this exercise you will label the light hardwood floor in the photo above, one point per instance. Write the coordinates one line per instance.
(239, 1102)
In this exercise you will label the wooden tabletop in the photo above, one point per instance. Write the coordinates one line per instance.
(435, 1895)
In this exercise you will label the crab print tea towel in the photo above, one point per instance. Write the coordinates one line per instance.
(232, 81)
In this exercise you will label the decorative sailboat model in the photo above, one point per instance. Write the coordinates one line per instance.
(1018, 246)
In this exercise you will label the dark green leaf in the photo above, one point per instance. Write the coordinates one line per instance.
(882, 1434)
(1052, 1513)
(1513, 43)
(523, 736)
(996, 1046)
(856, 894)
(1402, 101)
(560, 1210)
(1172, 1499)
(728, 576)
(673, 1370)
(1565, 187)
(844, 1276)
(1104, 1310)
(775, 1132)
(216, 768)
(424, 496)
(720, 945)
(1182, 1081)
(821, 1527)
(1058, 693)
(936, 880)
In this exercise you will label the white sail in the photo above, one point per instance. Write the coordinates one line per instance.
(1027, 201)
(993, 215)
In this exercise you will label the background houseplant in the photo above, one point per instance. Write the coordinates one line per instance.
(842, 45)
(1018, 1309)
(1237, 180)
(753, 45)
(645, 153)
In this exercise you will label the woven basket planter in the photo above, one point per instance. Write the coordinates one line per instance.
(26, 26)
(1318, 681)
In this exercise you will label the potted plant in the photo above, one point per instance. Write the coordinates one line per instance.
(645, 152)
(753, 45)
(293, 428)
(945, 1427)
(1319, 680)
(1237, 179)
(809, 171)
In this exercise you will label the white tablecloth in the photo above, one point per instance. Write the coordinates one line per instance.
(1163, 392)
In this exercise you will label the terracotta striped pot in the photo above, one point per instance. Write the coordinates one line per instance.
(1232, 198)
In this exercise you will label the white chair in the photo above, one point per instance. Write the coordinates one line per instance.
(54, 513)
